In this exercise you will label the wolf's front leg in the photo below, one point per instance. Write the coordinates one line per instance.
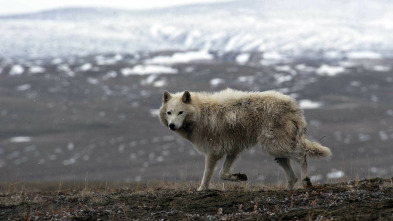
(285, 163)
(210, 164)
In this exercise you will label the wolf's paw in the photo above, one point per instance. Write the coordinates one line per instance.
(307, 182)
(234, 177)
(202, 188)
(240, 176)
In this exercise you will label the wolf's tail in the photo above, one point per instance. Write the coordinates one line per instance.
(314, 149)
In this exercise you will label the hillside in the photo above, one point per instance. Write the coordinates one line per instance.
(330, 29)
(370, 199)
(96, 116)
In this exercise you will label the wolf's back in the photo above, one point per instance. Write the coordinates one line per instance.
(314, 149)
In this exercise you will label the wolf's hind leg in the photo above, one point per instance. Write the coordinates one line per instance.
(302, 160)
(210, 164)
(285, 163)
(225, 172)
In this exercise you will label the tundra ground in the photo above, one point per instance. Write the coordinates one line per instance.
(369, 199)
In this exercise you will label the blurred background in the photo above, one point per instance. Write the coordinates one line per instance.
(81, 83)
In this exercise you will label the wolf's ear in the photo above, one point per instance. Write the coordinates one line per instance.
(166, 97)
(186, 97)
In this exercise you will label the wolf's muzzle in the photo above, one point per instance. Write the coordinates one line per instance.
(172, 126)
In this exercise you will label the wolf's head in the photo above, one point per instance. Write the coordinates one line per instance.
(177, 111)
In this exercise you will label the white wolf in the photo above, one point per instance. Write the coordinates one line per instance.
(227, 122)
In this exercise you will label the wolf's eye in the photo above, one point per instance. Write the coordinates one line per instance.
(169, 113)
(180, 112)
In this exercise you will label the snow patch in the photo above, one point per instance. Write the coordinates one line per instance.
(282, 78)
(159, 83)
(192, 36)
(154, 112)
(305, 68)
(308, 104)
(86, 67)
(148, 69)
(70, 146)
(364, 137)
(16, 70)
(383, 135)
(326, 70)
(246, 79)
(36, 69)
(57, 61)
(23, 87)
(216, 81)
(69, 161)
(242, 58)
(284, 68)
(181, 57)
(335, 174)
(91, 80)
(160, 159)
(316, 178)
(149, 80)
(66, 69)
(381, 68)
(273, 55)
(20, 139)
(363, 55)
(355, 83)
(101, 60)
(110, 74)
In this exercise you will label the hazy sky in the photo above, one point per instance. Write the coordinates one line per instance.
(22, 6)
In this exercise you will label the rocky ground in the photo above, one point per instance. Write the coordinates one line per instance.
(369, 199)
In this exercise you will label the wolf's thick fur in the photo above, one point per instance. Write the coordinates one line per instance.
(227, 122)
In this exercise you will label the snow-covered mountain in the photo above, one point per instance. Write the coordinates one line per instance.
(332, 29)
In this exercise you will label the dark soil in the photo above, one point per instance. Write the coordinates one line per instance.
(370, 199)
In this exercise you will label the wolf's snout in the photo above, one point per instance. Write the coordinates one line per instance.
(172, 126)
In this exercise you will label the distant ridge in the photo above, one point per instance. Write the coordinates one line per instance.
(315, 29)
(71, 13)
(86, 12)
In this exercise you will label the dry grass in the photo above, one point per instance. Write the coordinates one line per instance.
(369, 198)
